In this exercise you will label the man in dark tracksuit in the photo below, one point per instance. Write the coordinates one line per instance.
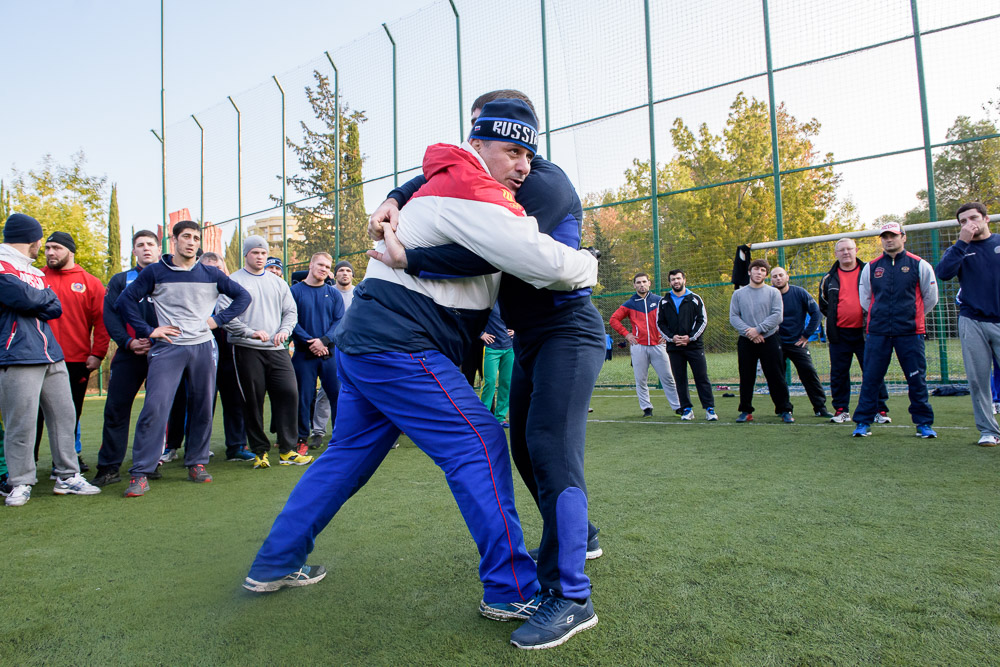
(845, 332)
(129, 366)
(682, 319)
(898, 289)
(559, 351)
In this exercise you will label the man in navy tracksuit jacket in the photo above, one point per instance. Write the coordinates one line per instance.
(682, 319)
(398, 348)
(975, 259)
(184, 294)
(897, 289)
(320, 309)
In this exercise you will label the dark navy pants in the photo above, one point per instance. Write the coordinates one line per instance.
(128, 372)
(169, 364)
(910, 354)
(551, 385)
(306, 372)
(425, 395)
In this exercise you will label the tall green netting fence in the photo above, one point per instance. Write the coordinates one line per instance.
(765, 120)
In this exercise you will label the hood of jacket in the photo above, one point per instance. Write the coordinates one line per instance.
(19, 261)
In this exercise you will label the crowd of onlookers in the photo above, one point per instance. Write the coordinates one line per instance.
(228, 335)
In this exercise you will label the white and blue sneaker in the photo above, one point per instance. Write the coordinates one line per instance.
(556, 620)
(305, 575)
(925, 431)
(883, 418)
(18, 495)
(510, 611)
(688, 414)
(75, 485)
(862, 431)
(710, 415)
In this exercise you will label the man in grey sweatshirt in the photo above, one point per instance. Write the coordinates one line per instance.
(263, 365)
(756, 312)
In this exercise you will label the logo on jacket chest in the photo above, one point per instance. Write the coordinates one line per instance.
(904, 269)
(879, 272)
(79, 288)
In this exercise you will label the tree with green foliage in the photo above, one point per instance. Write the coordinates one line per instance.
(65, 198)
(233, 255)
(5, 209)
(318, 181)
(114, 236)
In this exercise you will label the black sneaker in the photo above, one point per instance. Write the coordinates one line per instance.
(5, 487)
(106, 477)
(317, 440)
(556, 620)
(83, 466)
(156, 474)
(823, 412)
(648, 412)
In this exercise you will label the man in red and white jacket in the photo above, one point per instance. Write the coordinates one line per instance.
(32, 371)
(646, 345)
(80, 329)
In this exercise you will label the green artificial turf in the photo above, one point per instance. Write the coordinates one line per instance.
(724, 544)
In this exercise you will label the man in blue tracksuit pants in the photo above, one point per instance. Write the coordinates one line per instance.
(320, 309)
(559, 350)
(184, 294)
(398, 348)
(897, 289)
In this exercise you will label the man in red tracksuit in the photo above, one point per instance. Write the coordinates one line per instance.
(645, 343)
(80, 329)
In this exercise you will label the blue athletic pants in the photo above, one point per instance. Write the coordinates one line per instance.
(553, 379)
(306, 372)
(910, 354)
(425, 395)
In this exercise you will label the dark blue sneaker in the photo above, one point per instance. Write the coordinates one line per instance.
(925, 431)
(510, 611)
(241, 454)
(862, 431)
(556, 620)
(744, 417)
(787, 418)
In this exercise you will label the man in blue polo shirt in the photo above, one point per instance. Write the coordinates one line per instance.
(975, 259)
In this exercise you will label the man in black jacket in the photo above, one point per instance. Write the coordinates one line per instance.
(845, 330)
(682, 320)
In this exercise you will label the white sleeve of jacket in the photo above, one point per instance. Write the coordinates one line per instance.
(928, 286)
(511, 243)
(865, 287)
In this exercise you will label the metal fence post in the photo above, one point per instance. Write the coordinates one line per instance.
(775, 158)
(653, 185)
(458, 51)
(163, 135)
(201, 171)
(931, 195)
(336, 161)
(545, 83)
(395, 136)
(284, 207)
(239, 172)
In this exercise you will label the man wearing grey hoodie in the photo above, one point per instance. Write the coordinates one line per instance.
(263, 365)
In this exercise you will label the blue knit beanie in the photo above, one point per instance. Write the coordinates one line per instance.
(507, 120)
(21, 228)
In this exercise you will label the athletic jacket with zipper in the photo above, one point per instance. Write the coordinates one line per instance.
(642, 312)
(26, 306)
(690, 319)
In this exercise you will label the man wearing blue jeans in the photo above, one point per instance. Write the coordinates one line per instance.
(897, 289)
(184, 295)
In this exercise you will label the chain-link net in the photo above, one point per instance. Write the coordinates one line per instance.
(860, 104)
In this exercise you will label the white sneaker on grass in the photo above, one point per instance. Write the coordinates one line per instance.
(76, 485)
(18, 496)
(989, 441)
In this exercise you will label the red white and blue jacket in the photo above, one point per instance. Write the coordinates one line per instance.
(27, 304)
(897, 292)
(642, 312)
(460, 203)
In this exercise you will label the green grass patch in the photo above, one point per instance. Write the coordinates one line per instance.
(724, 544)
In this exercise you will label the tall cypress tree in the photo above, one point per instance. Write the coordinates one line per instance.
(5, 209)
(114, 236)
(317, 159)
